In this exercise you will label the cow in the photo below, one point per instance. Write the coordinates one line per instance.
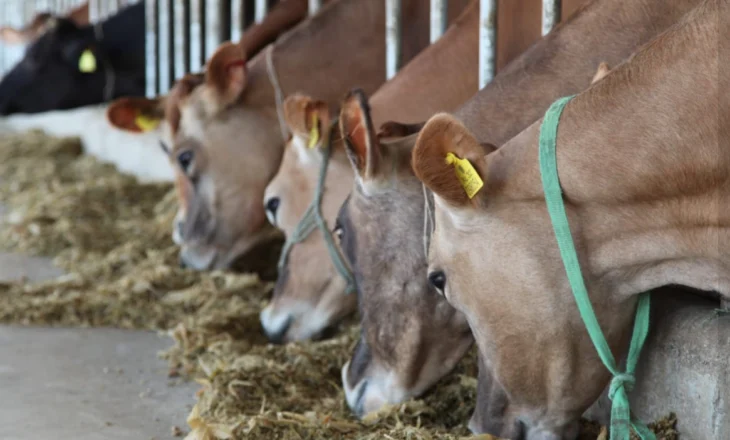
(309, 295)
(71, 66)
(224, 133)
(79, 15)
(380, 223)
(644, 169)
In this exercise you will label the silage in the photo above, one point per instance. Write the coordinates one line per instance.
(111, 234)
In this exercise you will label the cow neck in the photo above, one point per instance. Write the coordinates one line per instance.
(636, 157)
(114, 32)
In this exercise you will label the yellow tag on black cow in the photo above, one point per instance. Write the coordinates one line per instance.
(467, 175)
(314, 132)
(87, 62)
(146, 123)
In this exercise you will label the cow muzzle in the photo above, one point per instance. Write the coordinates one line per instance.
(372, 392)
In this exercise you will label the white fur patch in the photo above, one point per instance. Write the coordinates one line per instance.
(382, 388)
(136, 154)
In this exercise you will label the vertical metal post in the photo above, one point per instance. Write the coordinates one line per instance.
(163, 39)
(186, 35)
(212, 28)
(236, 20)
(196, 42)
(261, 10)
(392, 37)
(179, 29)
(314, 6)
(94, 11)
(550, 15)
(151, 59)
(487, 41)
(439, 18)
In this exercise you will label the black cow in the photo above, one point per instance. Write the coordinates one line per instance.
(71, 66)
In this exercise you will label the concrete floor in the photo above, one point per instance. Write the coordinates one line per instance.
(84, 384)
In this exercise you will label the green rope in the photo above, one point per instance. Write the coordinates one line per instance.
(313, 219)
(621, 420)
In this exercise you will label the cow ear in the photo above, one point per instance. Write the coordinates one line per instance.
(137, 115)
(602, 71)
(449, 160)
(226, 72)
(361, 143)
(10, 35)
(307, 118)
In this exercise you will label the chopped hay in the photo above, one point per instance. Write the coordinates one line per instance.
(112, 235)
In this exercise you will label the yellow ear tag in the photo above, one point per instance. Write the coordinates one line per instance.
(87, 62)
(467, 175)
(145, 123)
(314, 132)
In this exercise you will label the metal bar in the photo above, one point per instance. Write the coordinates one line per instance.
(197, 36)
(439, 18)
(392, 37)
(186, 35)
(212, 28)
(261, 10)
(224, 18)
(179, 30)
(487, 41)
(551, 10)
(314, 6)
(236, 20)
(163, 38)
(150, 48)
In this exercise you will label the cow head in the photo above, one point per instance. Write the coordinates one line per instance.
(71, 66)
(309, 295)
(220, 175)
(411, 336)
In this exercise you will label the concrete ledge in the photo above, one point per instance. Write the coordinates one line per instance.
(686, 368)
(683, 368)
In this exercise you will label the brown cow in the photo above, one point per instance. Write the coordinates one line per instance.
(309, 295)
(382, 224)
(234, 107)
(644, 166)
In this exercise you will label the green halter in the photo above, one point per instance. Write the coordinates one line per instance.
(621, 419)
(313, 219)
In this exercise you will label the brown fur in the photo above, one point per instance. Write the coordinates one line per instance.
(309, 290)
(646, 197)
(387, 223)
(344, 43)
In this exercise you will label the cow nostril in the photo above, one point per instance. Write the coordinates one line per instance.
(272, 205)
(181, 261)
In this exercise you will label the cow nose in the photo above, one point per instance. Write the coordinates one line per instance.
(275, 326)
(272, 205)
(354, 395)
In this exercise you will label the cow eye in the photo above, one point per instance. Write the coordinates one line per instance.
(437, 279)
(337, 230)
(185, 159)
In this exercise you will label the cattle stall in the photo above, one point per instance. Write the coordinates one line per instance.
(182, 34)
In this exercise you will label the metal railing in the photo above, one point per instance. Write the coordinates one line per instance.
(182, 34)
(487, 32)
